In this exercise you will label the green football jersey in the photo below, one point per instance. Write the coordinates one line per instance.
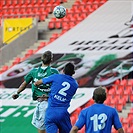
(37, 74)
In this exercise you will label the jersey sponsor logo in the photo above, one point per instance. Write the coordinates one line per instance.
(42, 74)
(44, 90)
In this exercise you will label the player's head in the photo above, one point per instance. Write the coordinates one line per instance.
(47, 57)
(69, 69)
(99, 95)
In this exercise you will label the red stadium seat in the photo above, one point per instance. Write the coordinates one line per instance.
(130, 119)
(3, 3)
(8, 3)
(55, 35)
(42, 44)
(128, 90)
(117, 82)
(114, 100)
(66, 27)
(131, 112)
(40, 1)
(123, 82)
(102, 1)
(73, 119)
(62, 32)
(64, 23)
(107, 101)
(27, 2)
(14, 2)
(35, 9)
(65, 19)
(88, 104)
(82, 130)
(95, 6)
(131, 97)
(120, 90)
(79, 19)
(125, 127)
(130, 129)
(29, 53)
(121, 87)
(78, 110)
(121, 119)
(33, 2)
(42, 17)
(17, 9)
(51, 25)
(49, 8)
(29, 8)
(16, 61)
(58, 24)
(4, 68)
(119, 107)
(130, 82)
(114, 130)
(72, 24)
(112, 91)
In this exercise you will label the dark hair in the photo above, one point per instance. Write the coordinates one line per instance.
(69, 69)
(99, 94)
(47, 57)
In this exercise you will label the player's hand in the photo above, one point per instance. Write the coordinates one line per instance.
(37, 83)
(15, 96)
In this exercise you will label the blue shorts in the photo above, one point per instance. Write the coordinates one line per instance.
(57, 119)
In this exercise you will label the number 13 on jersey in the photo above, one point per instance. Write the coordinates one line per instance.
(96, 118)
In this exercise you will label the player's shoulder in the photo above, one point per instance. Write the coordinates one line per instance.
(54, 70)
(86, 110)
(109, 108)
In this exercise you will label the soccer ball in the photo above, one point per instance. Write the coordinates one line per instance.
(59, 12)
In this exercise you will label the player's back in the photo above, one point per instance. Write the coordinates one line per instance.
(99, 118)
(36, 74)
(62, 90)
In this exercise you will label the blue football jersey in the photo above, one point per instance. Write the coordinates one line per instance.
(63, 87)
(98, 118)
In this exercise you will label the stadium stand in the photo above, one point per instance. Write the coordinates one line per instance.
(41, 9)
(120, 94)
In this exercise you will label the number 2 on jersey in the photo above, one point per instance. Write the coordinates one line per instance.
(102, 117)
(66, 87)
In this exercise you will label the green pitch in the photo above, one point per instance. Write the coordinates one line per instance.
(16, 119)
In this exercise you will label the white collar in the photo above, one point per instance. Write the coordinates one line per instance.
(44, 67)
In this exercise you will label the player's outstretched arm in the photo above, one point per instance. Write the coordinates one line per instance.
(20, 89)
(39, 82)
(120, 130)
(74, 129)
